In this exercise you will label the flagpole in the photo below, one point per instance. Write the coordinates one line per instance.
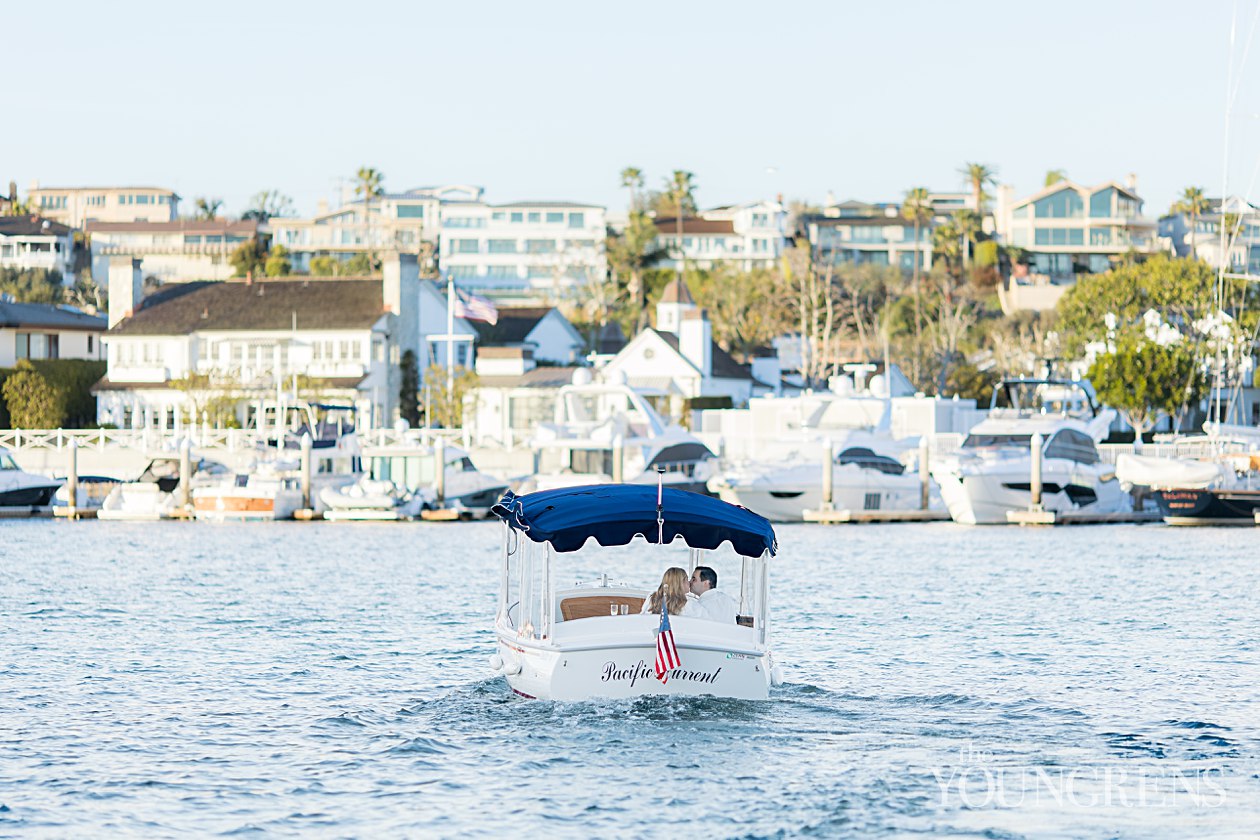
(450, 336)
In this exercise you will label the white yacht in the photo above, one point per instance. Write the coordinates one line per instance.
(991, 473)
(579, 642)
(22, 489)
(610, 433)
(151, 496)
(867, 474)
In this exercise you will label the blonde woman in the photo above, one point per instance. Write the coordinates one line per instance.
(676, 595)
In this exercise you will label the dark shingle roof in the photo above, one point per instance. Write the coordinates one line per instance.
(183, 308)
(514, 324)
(48, 315)
(31, 226)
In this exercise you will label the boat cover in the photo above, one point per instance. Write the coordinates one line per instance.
(614, 514)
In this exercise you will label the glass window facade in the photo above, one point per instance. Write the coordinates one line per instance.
(577, 220)
(540, 246)
(410, 211)
(1059, 236)
(555, 218)
(1100, 236)
(1065, 204)
(502, 246)
(466, 246)
(1100, 203)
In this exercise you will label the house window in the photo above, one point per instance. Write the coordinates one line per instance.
(518, 218)
(503, 272)
(540, 246)
(577, 220)
(535, 218)
(467, 246)
(349, 350)
(502, 246)
(555, 218)
(462, 272)
(498, 216)
(91, 343)
(1065, 204)
(760, 220)
(410, 211)
(23, 346)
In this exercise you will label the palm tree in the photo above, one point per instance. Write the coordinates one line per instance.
(632, 179)
(369, 183)
(208, 208)
(978, 176)
(680, 189)
(1194, 204)
(917, 209)
(1054, 176)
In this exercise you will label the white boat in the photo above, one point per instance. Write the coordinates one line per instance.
(369, 500)
(93, 491)
(590, 641)
(152, 495)
(609, 432)
(991, 473)
(22, 489)
(862, 479)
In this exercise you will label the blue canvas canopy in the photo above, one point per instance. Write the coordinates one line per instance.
(616, 513)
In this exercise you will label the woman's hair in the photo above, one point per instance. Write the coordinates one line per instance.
(673, 590)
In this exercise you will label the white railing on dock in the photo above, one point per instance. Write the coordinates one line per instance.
(232, 440)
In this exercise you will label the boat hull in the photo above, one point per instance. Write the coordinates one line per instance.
(626, 672)
(1208, 507)
(32, 495)
(228, 506)
(984, 497)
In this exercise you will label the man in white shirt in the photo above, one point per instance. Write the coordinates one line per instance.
(714, 605)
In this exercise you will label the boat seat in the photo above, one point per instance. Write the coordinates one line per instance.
(593, 606)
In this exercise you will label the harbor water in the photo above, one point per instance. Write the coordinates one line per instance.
(331, 680)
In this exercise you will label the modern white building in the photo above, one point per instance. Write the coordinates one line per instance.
(33, 242)
(533, 250)
(174, 252)
(76, 206)
(1067, 230)
(875, 235)
(46, 331)
(341, 337)
(1241, 236)
(747, 236)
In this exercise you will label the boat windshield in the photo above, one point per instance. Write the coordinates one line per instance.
(7, 462)
(986, 441)
(1042, 396)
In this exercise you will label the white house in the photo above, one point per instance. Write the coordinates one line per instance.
(46, 331)
(679, 358)
(76, 206)
(543, 330)
(745, 235)
(1241, 238)
(174, 251)
(33, 242)
(343, 335)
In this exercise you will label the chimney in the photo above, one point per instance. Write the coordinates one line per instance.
(400, 292)
(695, 340)
(125, 288)
(1130, 182)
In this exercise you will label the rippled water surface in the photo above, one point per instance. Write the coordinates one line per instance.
(331, 679)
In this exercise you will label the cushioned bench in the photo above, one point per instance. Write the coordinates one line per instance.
(593, 606)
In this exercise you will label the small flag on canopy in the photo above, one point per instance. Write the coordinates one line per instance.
(666, 654)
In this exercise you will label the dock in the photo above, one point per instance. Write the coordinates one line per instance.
(1035, 516)
(855, 517)
(25, 512)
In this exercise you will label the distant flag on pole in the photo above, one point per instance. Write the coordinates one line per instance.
(474, 307)
(666, 654)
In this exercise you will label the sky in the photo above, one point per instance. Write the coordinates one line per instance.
(551, 100)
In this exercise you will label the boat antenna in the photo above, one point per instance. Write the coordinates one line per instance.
(660, 515)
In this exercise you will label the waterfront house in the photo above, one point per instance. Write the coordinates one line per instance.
(47, 331)
(76, 206)
(747, 236)
(548, 335)
(1068, 230)
(1242, 236)
(173, 251)
(330, 338)
(34, 242)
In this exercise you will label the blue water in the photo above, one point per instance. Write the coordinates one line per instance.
(331, 680)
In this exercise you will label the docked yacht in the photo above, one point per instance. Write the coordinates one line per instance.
(609, 432)
(23, 489)
(866, 475)
(1221, 486)
(578, 642)
(152, 495)
(991, 473)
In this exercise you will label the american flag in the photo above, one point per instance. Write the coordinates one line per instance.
(666, 654)
(474, 307)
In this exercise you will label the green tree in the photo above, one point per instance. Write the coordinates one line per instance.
(278, 263)
(632, 180)
(917, 209)
(630, 254)
(745, 307)
(369, 184)
(209, 397)
(978, 176)
(1054, 176)
(32, 285)
(1194, 204)
(32, 402)
(359, 265)
(680, 190)
(445, 406)
(1144, 380)
(409, 389)
(323, 266)
(208, 208)
(249, 258)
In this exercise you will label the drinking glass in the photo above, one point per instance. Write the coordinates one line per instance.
(625, 609)
(612, 609)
